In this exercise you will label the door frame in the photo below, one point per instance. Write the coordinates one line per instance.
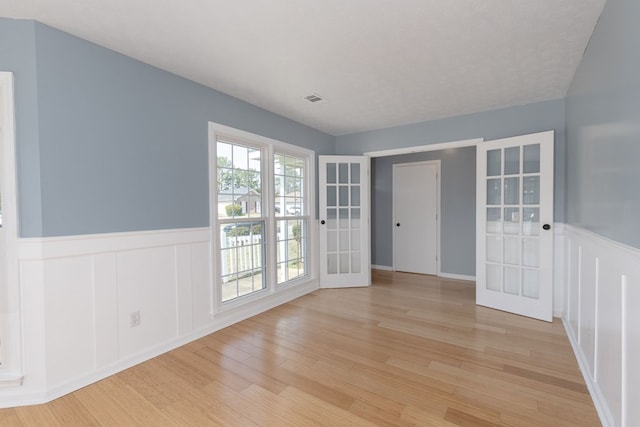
(438, 208)
(11, 369)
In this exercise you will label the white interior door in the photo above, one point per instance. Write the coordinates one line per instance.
(415, 217)
(514, 242)
(345, 254)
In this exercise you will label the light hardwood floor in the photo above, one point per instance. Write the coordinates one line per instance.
(409, 350)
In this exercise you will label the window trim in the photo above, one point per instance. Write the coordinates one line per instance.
(269, 147)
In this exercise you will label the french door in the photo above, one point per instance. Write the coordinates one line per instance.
(345, 254)
(514, 242)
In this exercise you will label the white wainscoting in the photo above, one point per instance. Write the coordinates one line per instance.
(602, 319)
(78, 294)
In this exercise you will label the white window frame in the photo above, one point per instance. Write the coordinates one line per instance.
(269, 147)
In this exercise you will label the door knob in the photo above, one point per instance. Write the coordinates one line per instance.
(398, 224)
(322, 222)
(546, 226)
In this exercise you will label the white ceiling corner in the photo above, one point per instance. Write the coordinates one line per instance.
(376, 63)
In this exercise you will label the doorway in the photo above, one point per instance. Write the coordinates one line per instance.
(416, 213)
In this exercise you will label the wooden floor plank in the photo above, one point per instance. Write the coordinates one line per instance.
(409, 350)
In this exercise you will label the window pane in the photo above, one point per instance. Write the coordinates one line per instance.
(494, 162)
(531, 158)
(511, 220)
(344, 195)
(494, 248)
(531, 190)
(292, 244)
(512, 191)
(242, 258)
(531, 221)
(494, 220)
(511, 160)
(531, 284)
(254, 159)
(345, 263)
(291, 239)
(355, 262)
(239, 181)
(331, 173)
(242, 220)
(355, 218)
(512, 250)
(512, 280)
(493, 191)
(494, 278)
(344, 218)
(343, 173)
(332, 218)
(332, 263)
(531, 252)
(331, 196)
(240, 157)
(288, 174)
(355, 195)
(355, 173)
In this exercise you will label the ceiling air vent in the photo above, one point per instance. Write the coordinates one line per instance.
(314, 97)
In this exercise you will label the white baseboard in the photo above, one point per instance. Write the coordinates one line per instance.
(382, 267)
(441, 274)
(457, 276)
(598, 400)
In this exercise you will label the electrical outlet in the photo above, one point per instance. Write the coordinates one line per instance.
(135, 319)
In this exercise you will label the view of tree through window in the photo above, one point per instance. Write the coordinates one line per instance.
(251, 206)
(289, 206)
(242, 237)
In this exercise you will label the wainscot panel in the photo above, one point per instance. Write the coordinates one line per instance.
(602, 320)
(94, 305)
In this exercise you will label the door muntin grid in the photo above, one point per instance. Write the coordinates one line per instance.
(344, 222)
(513, 220)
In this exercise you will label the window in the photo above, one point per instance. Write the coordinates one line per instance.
(242, 266)
(260, 215)
(291, 225)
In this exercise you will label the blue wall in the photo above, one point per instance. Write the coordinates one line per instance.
(18, 54)
(119, 145)
(603, 129)
(458, 204)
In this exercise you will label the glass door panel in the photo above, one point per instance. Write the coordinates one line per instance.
(344, 239)
(515, 193)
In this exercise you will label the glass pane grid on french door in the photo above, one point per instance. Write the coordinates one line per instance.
(343, 213)
(513, 220)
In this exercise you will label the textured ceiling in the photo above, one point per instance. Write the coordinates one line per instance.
(377, 63)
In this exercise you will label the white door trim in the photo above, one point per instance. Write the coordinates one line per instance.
(425, 148)
(438, 208)
(11, 351)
